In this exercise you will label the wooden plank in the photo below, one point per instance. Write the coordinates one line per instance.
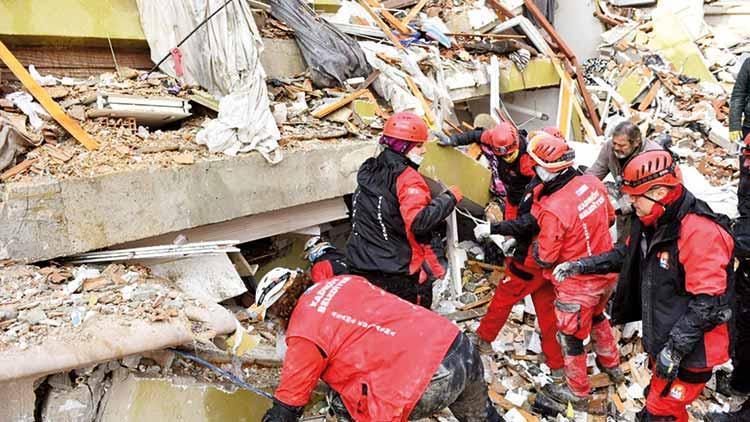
(485, 266)
(414, 12)
(460, 316)
(398, 4)
(476, 304)
(399, 25)
(649, 98)
(428, 114)
(18, 168)
(45, 100)
(383, 27)
(501, 10)
(453, 126)
(320, 113)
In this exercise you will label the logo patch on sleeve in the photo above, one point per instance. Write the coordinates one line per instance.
(663, 259)
(677, 392)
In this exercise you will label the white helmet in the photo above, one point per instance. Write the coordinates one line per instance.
(271, 287)
(315, 247)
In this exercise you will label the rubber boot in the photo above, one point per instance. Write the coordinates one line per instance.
(483, 346)
(561, 394)
(615, 374)
(557, 375)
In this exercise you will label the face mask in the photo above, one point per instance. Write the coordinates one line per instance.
(510, 157)
(544, 174)
(415, 158)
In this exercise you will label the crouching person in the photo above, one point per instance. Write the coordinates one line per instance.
(387, 359)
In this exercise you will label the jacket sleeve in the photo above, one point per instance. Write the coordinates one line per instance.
(421, 213)
(547, 247)
(608, 262)
(303, 364)
(468, 137)
(739, 97)
(705, 279)
(600, 168)
(524, 225)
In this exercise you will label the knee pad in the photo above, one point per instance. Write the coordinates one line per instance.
(571, 345)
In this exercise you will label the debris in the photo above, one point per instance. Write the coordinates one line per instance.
(152, 112)
(330, 108)
(156, 252)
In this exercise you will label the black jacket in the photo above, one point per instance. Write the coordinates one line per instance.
(380, 241)
(651, 286)
(739, 104)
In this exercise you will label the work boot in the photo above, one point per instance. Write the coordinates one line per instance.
(615, 374)
(741, 415)
(561, 393)
(557, 375)
(483, 346)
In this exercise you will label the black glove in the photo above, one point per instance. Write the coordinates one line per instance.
(282, 413)
(567, 269)
(443, 139)
(667, 363)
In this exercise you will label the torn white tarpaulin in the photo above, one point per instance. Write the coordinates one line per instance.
(392, 84)
(223, 57)
(25, 102)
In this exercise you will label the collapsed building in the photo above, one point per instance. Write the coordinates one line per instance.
(137, 212)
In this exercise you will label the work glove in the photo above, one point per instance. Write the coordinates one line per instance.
(282, 413)
(482, 231)
(735, 135)
(567, 269)
(667, 363)
(443, 140)
(508, 246)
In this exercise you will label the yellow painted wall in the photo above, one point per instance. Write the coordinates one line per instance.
(117, 19)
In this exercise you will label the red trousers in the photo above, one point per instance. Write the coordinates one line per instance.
(674, 400)
(512, 289)
(580, 312)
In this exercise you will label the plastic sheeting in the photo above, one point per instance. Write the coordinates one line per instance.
(223, 57)
(332, 56)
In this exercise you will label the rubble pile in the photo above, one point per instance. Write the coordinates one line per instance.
(39, 303)
(669, 72)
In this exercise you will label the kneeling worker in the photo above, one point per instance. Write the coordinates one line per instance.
(387, 359)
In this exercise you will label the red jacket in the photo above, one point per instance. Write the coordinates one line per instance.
(377, 351)
(573, 223)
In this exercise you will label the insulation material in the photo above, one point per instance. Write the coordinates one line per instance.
(332, 56)
(223, 57)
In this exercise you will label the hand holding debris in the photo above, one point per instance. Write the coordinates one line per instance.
(667, 363)
(443, 139)
(482, 231)
(566, 269)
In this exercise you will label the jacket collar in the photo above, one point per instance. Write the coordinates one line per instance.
(559, 182)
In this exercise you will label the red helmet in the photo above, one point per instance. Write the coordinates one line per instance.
(407, 127)
(552, 130)
(649, 169)
(502, 139)
(550, 152)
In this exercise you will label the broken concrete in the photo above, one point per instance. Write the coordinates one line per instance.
(134, 399)
(18, 400)
(50, 218)
(212, 278)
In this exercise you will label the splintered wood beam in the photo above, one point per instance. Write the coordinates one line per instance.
(330, 108)
(45, 100)
(383, 27)
(414, 12)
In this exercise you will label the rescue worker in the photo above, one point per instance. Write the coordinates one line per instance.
(523, 277)
(676, 278)
(387, 359)
(505, 150)
(325, 259)
(394, 216)
(739, 105)
(574, 215)
(625, 142)
(740, 378)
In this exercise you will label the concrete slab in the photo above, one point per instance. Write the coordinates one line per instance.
(211, 278)
(18, 400)
(49, 218)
